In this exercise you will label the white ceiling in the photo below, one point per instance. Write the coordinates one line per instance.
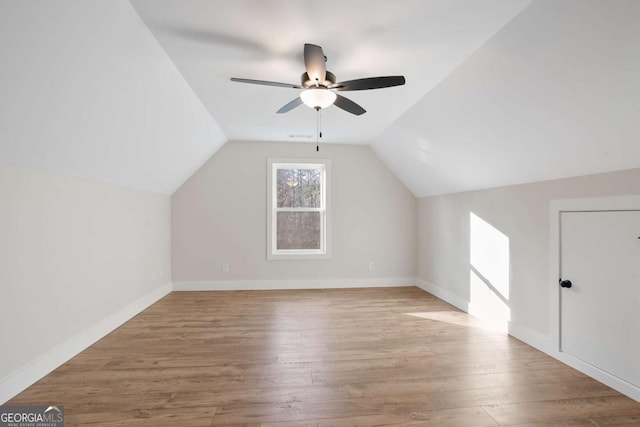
(554, 94)
(498, 92)
(211, 41)
(86, 91)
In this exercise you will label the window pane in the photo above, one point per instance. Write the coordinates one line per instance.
(298, 230)
(299, 188)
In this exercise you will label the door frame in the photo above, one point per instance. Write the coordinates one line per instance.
(557, 207)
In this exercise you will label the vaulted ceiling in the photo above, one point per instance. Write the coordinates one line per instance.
(556, 93)
(263, 39)
(498, 92)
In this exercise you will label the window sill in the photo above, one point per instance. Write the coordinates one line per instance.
(299, 256)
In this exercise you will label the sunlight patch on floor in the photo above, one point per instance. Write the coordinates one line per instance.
(457, 318)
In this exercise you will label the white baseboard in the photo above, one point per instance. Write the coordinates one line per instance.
(35, 370)
(524, 334)
(604, 377)
(540, 342)
(256, 285)
(529, 336)
(443, 294)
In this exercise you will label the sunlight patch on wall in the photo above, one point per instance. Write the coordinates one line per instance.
(489, 273)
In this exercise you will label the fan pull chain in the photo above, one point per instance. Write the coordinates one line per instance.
(318, 127)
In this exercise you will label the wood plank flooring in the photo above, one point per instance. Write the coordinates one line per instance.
(342, 357)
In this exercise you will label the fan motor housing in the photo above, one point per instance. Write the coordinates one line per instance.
(329, 80)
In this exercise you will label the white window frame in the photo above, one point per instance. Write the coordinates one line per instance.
(273, 253)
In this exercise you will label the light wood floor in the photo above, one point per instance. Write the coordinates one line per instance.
(394, 356)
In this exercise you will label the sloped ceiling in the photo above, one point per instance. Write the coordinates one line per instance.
(498, 92)
(86, 91)
(556, 93)
(211, 41)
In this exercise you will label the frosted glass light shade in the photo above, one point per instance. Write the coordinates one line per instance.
(318, 98)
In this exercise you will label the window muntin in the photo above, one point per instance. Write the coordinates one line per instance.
(298, 210)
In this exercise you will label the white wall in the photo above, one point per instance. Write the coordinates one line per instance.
(521, 213)
(72, 253)
(89, 96)
(219, 216)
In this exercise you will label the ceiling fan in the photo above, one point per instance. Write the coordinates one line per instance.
(320, 85)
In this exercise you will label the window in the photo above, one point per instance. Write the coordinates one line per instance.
(297, 224)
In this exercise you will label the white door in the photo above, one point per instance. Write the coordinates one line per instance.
(600, 312)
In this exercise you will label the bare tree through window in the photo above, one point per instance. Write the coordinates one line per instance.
(298, 189)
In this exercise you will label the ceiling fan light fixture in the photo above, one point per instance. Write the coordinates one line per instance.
(318, 98)
(320, 85)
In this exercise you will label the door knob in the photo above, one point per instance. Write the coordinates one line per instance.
(566, 283)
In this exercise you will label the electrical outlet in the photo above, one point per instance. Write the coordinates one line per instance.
(372, 265)
(225, 268)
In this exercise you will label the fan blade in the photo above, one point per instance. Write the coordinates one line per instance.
(226, 41)
(290, 106)
(315, 61)
(265, 83)
(348, 105)
(370, 83)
